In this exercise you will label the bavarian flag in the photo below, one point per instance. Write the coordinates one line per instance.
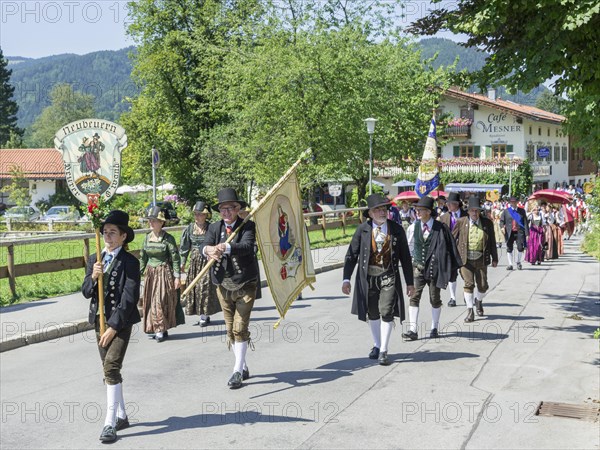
(428, 177)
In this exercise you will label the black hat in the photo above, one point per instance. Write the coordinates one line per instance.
(120, 219)
(454, 197)
(156, 213)
(441, 197)
(425, 202)
(201, 208)
(513, 199)
(96, 135)
(228, 195)
(375, 200)
(474, 202)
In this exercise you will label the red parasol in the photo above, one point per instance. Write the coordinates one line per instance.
(552, 196)
(435, 194)
(409, 196)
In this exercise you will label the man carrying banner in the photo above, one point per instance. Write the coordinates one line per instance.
(513, 222)
(235, 275)
(380, 245)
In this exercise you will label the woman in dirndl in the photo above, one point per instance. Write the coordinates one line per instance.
(160, 263)
(549, 227)
(202, 299)
(535, 243)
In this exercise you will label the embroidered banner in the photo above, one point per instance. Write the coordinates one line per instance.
(428, 177)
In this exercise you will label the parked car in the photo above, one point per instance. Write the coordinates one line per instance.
(169, 210)
(62, 213)
(22, 213)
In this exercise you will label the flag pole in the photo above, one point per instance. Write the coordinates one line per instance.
(305, 155)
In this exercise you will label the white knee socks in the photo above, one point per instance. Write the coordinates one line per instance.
(375, 326)
(114, 394)
(510, 258)
(435, 317)
(386, 332)
(452, 289)
(469, 299)
(240, 349)
(413, 317)
(519, 257)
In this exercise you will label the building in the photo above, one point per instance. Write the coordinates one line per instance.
(43, 170)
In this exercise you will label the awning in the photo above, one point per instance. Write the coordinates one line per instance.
(403, 183)
(473, 187)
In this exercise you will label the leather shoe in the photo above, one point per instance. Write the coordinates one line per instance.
(383, 359)
(479, 307)
(235, 382)
(245, 374)
(109, 434)
(509, 267)
(470, 316)
(374, 354)
(205, 323)
(434, 334)
(410, 336)
(452, 302)
(519, 266)
(122, 424)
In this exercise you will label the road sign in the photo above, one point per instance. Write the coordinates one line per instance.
(155, 158)
(335, 190)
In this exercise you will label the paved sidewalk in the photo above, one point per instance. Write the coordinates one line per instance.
(52, 318)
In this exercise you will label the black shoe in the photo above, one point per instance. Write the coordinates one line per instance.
(205, 323)
(410, 336)
(122, 424)
(434, 333)
(479, 307)
(245, 374)
(235, 382)
(519, 266)
(452, 302)
(109, 434)
(509, 267)
(152, 336)
(374, 354)
(383, 359)
(470, 316)
(196, 324)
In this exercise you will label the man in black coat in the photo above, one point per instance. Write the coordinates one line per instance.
(379, 245)
(235, 273)
(121, 283)
(449, 218)
(513, 222)
(435, 261)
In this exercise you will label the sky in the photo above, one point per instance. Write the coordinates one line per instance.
(38, 28)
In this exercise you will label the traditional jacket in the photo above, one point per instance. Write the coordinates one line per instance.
(121, 291)
(359, 252)
(506, 221)
(446, 217)
(461, 233)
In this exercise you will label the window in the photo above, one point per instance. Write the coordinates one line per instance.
(548, 132)
(557, 152)
(573, 151)
(530, 151)
(549, 146)
(467, 113)
(539, 131)
(466, 151)
(557, 132)
(564, 153)
(530, 129)
(498, 150)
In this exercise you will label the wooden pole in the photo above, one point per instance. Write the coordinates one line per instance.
(86, 251)
(11, 270)
(276, 186)
(100, 286)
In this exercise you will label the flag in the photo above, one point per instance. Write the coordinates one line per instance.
(283, 242)
(428, 177)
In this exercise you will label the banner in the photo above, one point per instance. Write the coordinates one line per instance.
(428, 177)
(283, 242)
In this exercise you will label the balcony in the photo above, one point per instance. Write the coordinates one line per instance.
(458, 131)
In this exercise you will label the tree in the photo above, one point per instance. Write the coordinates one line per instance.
(18, 189)
(66, 106)
(8, 107)
(551, 103)
(530, 42)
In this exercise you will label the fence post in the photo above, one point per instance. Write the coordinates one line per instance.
(324, 224)
(8, 224)
(11, 270)
(86, 250)
(343, 224)
(51, 225)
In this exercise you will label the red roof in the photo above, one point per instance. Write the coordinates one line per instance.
(36, 163)
(526, 111)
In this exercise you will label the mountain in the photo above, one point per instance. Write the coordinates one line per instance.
(104, 74)
(470, 59)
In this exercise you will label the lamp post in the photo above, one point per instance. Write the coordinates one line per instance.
(511, 156)
(370, 129)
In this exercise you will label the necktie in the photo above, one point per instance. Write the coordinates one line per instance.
(229, 229)
(379, 238)
(452, 221)
(107, 260)
(425, 228)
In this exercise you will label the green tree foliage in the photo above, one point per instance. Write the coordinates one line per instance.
(549, 102)
(8, 107)
(18, 189)
(531, 41)
(67, 106)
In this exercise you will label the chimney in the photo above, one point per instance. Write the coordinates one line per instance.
(492, 94)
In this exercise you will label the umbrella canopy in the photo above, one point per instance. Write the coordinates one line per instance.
(409, 196)
(435, 194)
(166, 187)
(552, 196)
(403, 183)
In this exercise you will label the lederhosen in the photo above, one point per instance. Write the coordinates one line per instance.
(381, 294)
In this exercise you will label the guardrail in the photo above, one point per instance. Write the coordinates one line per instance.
(329, 220)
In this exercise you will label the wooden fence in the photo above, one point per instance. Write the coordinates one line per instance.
(328, 220)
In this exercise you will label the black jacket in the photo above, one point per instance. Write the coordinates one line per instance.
(121, 291)
(506, 222)
(242, 260)
(442, 259)
(359, 251)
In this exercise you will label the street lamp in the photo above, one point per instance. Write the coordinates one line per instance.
(370, 129)
(511, 156)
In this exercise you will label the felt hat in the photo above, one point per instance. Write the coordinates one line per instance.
(201, 207)
(453, 197)
(156, 213)
(121, 220)
(425, 202)
(374, 201)
(474, 203)
(228, 195)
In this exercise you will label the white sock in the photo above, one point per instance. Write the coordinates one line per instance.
(510, 258)
(452, 289)
(112, 404)
(469, 300)
(476, 293)
(519, 257)
(203, 317)
(160, 334)
(435, 317)
(386, 332)
(480, 296)
(413, 316)
(121, 412)
(375, 326)
(240, 349)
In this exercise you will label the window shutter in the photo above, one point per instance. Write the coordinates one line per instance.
(509, 148)
(456, 150)
(477, 151)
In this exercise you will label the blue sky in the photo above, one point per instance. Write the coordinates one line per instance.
(37, 28)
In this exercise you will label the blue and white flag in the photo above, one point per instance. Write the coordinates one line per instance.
(428, 177)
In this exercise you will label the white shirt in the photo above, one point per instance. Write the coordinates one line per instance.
(410, 233)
